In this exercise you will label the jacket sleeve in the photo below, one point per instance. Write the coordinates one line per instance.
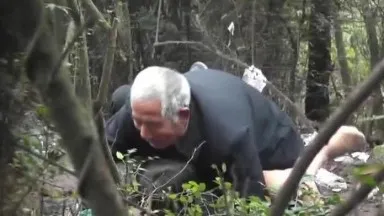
(120, 131)
(246, 169)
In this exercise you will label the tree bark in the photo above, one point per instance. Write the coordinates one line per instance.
(374, 49)
(319, 62)
(341, 54)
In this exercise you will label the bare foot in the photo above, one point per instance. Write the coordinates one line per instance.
(347, 139)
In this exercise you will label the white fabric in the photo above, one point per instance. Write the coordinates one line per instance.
(255, 78)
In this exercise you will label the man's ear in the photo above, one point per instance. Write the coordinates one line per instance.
(184, 114)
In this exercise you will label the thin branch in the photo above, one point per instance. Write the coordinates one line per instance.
(69, 46)
(96, 14)
(329, 128)
(101, 98)
(253, 31)
(157, 28)
(108, 64)
(178, 173)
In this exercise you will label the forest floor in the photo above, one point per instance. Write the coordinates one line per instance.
(370, 206)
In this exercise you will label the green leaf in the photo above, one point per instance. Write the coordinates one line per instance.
(227, 185)
(186, 186)
(224, 167)
(172, 196)
(183, 199)
(42, 111)
(370, 169)
(202, 187)
(119, 156)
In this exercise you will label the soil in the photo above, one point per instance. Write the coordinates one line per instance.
(369, 207)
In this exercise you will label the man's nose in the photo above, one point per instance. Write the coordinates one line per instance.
(144, 133)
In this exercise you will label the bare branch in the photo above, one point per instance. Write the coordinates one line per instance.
(178, 173)
(108, 64)
(157, 28)
(96, 14)
(68, 47)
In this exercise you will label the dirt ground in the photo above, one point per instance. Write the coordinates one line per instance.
(369, 207)
(67, 183)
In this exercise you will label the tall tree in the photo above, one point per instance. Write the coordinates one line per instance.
(340, 47)
(369, 16)
(319, 61)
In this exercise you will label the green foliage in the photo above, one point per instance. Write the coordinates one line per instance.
(42, 112)
(196, 200)
(356, 47)
(365, 174)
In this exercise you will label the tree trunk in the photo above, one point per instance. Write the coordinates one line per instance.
(341, 54)
(374, 49)
(273, 36)
(319, 62)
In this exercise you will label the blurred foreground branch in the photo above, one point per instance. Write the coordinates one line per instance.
(72, 120)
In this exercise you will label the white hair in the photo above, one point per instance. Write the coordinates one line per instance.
(167, 85)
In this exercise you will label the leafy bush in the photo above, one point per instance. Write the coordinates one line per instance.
(196, 200)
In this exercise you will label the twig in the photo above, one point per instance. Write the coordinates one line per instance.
(253, 31)
(225, 192)
(178, 173)
(69, 46)
(329, 128)
(356, 197)
(157, 28)
(141, 209)
(101, 98)
(100, 124)
(108, 64)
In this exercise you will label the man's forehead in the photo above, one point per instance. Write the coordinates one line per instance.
(146, 106)
(146, 111)
(146, 118)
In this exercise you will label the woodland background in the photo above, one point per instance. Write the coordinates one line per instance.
(314, 53)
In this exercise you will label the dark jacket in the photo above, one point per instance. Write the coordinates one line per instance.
(242, 128)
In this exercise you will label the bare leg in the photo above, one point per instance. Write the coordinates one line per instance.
(274, 179)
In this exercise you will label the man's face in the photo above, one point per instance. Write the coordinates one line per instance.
(154, 128)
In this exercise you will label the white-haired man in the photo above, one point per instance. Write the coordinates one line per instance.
(212, 117)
